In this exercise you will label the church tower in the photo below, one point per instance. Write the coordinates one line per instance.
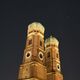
(52, 59)
(32, 67)
(41, 61)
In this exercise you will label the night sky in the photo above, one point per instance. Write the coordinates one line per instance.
(60, 19)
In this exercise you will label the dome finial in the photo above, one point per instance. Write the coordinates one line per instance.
(51, 40)
(36, 26)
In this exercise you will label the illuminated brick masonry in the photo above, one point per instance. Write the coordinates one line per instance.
(41, 59)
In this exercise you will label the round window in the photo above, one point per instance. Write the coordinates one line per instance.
(40, 55)
(58, 66)
(28, 54)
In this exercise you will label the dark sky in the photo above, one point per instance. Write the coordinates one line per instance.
(60, 18)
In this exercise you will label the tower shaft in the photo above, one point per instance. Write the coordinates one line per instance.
(41, 61)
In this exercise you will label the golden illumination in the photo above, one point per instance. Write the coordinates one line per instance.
(51, 40)
(40, 62)
(35, 26)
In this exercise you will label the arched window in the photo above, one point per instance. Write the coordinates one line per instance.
(57, 55)
(40, 43)
(48, 54)
(30, 42)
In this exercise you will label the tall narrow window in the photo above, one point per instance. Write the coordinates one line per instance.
(57, 55)
(30, 42)
(41, 43)
(48, 54)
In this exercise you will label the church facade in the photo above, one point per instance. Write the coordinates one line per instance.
(41, 60)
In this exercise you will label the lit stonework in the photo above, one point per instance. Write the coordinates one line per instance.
(36, 27)
(51, 40)
(41, 60)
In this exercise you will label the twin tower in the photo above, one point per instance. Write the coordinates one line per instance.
(41, 60)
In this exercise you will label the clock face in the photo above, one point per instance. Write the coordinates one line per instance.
(28, 54)
(40, 55)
